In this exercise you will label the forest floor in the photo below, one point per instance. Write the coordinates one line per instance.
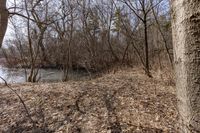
(125, 101)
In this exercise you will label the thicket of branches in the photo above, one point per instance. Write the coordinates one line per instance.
(90, 35)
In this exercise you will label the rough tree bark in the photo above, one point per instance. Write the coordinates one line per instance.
(3, 20)
(186, 39)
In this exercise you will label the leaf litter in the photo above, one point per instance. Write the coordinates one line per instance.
(124, 102)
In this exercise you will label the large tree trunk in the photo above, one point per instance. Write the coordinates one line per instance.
(186, 39)
(3, 20)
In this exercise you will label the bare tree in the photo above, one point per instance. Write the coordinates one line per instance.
(142, 8)
(33, 74)
(155, 14)
(65, 29)
(42, 18)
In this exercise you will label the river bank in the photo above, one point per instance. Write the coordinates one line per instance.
(17, 75)
(124, 101)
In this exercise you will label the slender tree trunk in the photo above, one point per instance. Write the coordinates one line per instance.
(186, 39)
(163, 38)
(40, 43)
(146, 47)
(3, 20)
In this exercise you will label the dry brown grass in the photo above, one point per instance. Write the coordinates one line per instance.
(126, 101)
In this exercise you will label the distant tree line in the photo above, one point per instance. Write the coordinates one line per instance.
(90, 35)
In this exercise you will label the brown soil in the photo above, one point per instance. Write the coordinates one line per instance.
(126, 101)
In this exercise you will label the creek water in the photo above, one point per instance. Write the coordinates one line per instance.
(12, 75)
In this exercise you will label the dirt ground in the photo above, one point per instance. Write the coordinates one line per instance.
(124, 102)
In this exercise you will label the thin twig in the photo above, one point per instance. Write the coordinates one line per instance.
(21, 100)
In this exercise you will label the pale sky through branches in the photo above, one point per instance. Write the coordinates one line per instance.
(164, 6)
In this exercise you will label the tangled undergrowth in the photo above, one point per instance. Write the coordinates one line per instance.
(126, 101)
